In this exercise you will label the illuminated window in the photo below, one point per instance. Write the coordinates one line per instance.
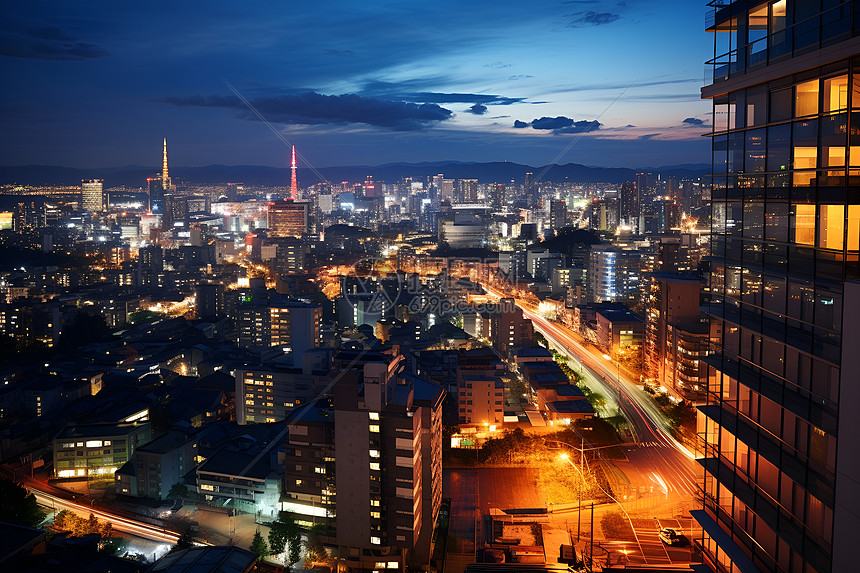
(374, 453)
(374, 465)
(854, 227)
(373, 415)
(376, 515)
(374, 503)
(805, 158)
(319, 470)
(806, 98)
(393, 565)
(836, 94)
(803, 224)
(207, 487)
(94, 444)
(375, 541)
(374, 428)
(831, 226)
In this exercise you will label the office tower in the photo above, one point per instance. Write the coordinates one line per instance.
(92, 195)
(557, 214)
(211, 300)
(150, 267)
(628, 205)
(778, 444)
(29, 216)
(294, 184)
(174, 210)
(497, 191)
(288, 219)
(466, 191)
(372, 189)
(528, 182)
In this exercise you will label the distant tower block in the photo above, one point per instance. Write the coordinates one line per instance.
(294, 185)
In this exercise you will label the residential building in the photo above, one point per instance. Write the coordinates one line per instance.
(671, 299)
(778, 440)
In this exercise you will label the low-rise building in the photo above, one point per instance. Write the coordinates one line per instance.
(85, 451)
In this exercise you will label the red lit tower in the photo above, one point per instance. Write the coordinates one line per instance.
(294, 186)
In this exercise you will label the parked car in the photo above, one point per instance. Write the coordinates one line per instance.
(671, 537)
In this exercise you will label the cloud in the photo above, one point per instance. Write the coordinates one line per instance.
(592, 18)
(582, 126)
(311, 108)
(648, 136)
(520, 77)
(693, 122)
(552, 122)
(497, 65)
(401, 91)
(559, 125)
(478, 109)
(46, 43)
(333, 52)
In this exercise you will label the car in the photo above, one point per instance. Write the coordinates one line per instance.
(671, 537)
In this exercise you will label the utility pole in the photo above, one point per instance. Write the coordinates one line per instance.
(591, 560)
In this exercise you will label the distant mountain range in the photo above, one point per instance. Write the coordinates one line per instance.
(501, 172)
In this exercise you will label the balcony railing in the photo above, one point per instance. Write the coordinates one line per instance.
(828, 27)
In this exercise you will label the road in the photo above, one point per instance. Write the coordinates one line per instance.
(660, 459)
(123, 524)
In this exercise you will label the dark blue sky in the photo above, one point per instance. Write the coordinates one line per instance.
(98, 84)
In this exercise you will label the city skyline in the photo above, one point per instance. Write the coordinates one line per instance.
(360, 85)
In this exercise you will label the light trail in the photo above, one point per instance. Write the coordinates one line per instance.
(647, 424)
(119, 523)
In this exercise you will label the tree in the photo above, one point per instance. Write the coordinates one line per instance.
(258, 545)
(286, 531)
(613, 524)
(315, 551)
(185, 541)
(178, 492)
(19, 506)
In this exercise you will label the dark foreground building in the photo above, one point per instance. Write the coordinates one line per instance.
(780, 446)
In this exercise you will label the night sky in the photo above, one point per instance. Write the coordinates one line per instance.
(99, 84)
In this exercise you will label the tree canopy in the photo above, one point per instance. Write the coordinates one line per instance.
(19, 506)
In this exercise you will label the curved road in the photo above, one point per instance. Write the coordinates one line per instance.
(672, 464)
(669, 465)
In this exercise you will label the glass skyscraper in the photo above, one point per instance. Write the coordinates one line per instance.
(779, 438)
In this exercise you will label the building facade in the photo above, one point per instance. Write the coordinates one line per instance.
(777, 442)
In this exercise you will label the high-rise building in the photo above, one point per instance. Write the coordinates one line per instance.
(670, 299)
(92, 195)
(279, 322)
(372, 457)
(628, 205)
(557, 214)
(613, 274)
(778, 444)
(288, 218)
